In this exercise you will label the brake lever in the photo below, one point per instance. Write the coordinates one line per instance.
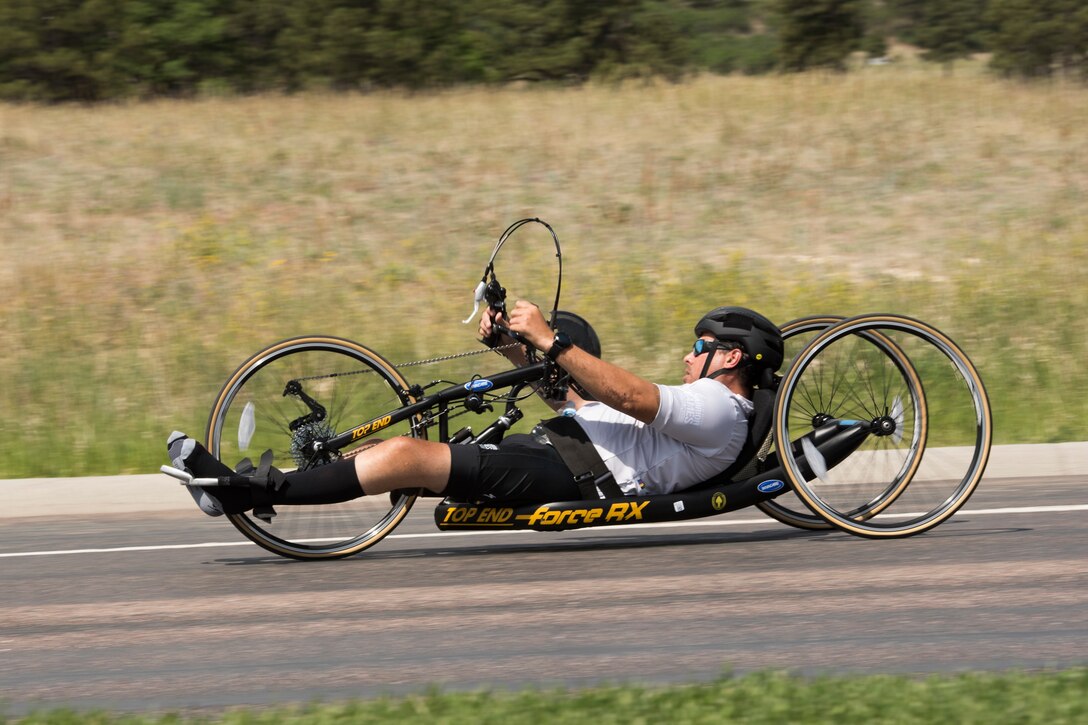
(477, 298)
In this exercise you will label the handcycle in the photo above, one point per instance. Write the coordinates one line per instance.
(849, 437)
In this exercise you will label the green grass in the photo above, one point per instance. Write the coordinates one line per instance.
(986, 699)
(149, 248)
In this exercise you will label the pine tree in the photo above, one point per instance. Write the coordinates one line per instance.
(1038, 38)
(951, 29)
(818, 33)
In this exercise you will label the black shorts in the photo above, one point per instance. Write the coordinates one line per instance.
(519, 469)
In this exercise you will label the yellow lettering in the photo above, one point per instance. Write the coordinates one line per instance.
(536, 516)
(494, 516)
(371, 427)
(636, 510)
(545, 516)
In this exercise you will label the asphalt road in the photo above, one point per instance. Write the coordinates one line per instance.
(173, 610)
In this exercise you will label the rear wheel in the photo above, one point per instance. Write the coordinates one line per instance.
(290, 395)
(937, 471)
(870, 379)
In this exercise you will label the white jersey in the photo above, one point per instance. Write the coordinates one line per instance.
(698, 432)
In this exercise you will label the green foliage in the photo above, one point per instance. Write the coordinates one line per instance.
(819, 33)
(95, 50)
(59, 50)
(728, 36)
(1040, 38)
(951, 29)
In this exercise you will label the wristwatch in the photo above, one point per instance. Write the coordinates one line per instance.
(560, 342)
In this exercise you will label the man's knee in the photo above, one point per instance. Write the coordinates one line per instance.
(404, 461)
(403, 447)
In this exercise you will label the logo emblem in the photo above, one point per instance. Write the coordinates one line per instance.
(478, 386)
(718, 501)
(770, 486)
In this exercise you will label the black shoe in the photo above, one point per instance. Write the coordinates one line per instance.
(182, 449)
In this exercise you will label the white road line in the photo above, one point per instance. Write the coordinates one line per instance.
(601, 530)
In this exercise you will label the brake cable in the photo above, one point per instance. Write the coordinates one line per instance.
(489, 269)
(478, 296)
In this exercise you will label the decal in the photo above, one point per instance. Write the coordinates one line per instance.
(480, 385)
(464, 515)
(770, 486)
(477, 515)
(718, 501)
(678, 506)
(617, 512)
(372, 427)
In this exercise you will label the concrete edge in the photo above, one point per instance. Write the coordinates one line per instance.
(156, 492)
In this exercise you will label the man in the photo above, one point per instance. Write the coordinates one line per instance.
(633, 437)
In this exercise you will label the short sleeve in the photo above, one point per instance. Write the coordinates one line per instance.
(699, 414)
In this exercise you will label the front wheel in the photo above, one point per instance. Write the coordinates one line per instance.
(284, 399)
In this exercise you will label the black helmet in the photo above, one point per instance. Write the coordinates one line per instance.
(758, 336)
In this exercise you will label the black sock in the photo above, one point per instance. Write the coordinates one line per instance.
(235, 499)
(332, 483)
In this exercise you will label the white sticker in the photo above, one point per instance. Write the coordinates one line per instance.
(678, 506)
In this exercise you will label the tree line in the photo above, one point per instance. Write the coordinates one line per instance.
(95, 50)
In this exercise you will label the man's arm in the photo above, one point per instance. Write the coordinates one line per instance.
(610, 384)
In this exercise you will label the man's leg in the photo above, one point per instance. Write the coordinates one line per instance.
(390, 465)
(403, 463)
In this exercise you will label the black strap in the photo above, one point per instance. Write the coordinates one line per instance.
(264, 482)
(573, 445)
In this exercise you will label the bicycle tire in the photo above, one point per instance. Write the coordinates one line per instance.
(353, 384)
(958, 429)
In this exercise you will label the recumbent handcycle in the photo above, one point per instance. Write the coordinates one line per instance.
(879, 426)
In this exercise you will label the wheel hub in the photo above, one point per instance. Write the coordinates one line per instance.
(884, 426)
(306, 440)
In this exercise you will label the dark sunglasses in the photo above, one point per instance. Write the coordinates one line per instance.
(702, 346)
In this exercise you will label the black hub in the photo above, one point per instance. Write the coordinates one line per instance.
(883, 426)
(307, 444)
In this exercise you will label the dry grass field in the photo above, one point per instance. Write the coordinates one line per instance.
(147, 249)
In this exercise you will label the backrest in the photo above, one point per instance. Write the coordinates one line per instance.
(755, 444)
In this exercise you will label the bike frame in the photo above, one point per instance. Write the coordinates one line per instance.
(434, 408)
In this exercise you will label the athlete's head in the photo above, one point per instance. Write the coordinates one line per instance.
(737, 340)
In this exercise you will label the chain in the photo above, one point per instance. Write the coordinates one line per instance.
(455, 356)
(414, 363)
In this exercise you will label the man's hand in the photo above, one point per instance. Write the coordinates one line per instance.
(515, 355)
(487, 324)
(527, 320)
